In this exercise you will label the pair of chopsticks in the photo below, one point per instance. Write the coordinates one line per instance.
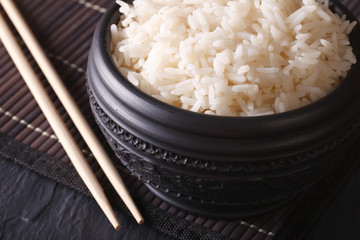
(53, 117)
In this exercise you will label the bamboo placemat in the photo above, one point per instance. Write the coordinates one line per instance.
(65, 28)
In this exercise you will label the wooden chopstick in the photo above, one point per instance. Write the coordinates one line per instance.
(71, 107)
(54, 118)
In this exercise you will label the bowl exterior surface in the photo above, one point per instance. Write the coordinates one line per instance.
(221, 166)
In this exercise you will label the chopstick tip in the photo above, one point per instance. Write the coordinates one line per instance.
(140, 221)
(117, 227)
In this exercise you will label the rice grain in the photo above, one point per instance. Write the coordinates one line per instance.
(234, 58)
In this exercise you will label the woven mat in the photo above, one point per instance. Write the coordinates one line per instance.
(65, 28)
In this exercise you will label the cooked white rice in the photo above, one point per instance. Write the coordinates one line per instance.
(233, 58)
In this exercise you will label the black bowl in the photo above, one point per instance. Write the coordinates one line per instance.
(221, 166)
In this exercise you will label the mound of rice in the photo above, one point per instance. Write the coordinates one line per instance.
(233, 58)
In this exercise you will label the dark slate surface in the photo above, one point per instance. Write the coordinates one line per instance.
(34, 207)
(342, 219)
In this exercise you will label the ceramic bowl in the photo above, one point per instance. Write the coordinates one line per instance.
(223, 167)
